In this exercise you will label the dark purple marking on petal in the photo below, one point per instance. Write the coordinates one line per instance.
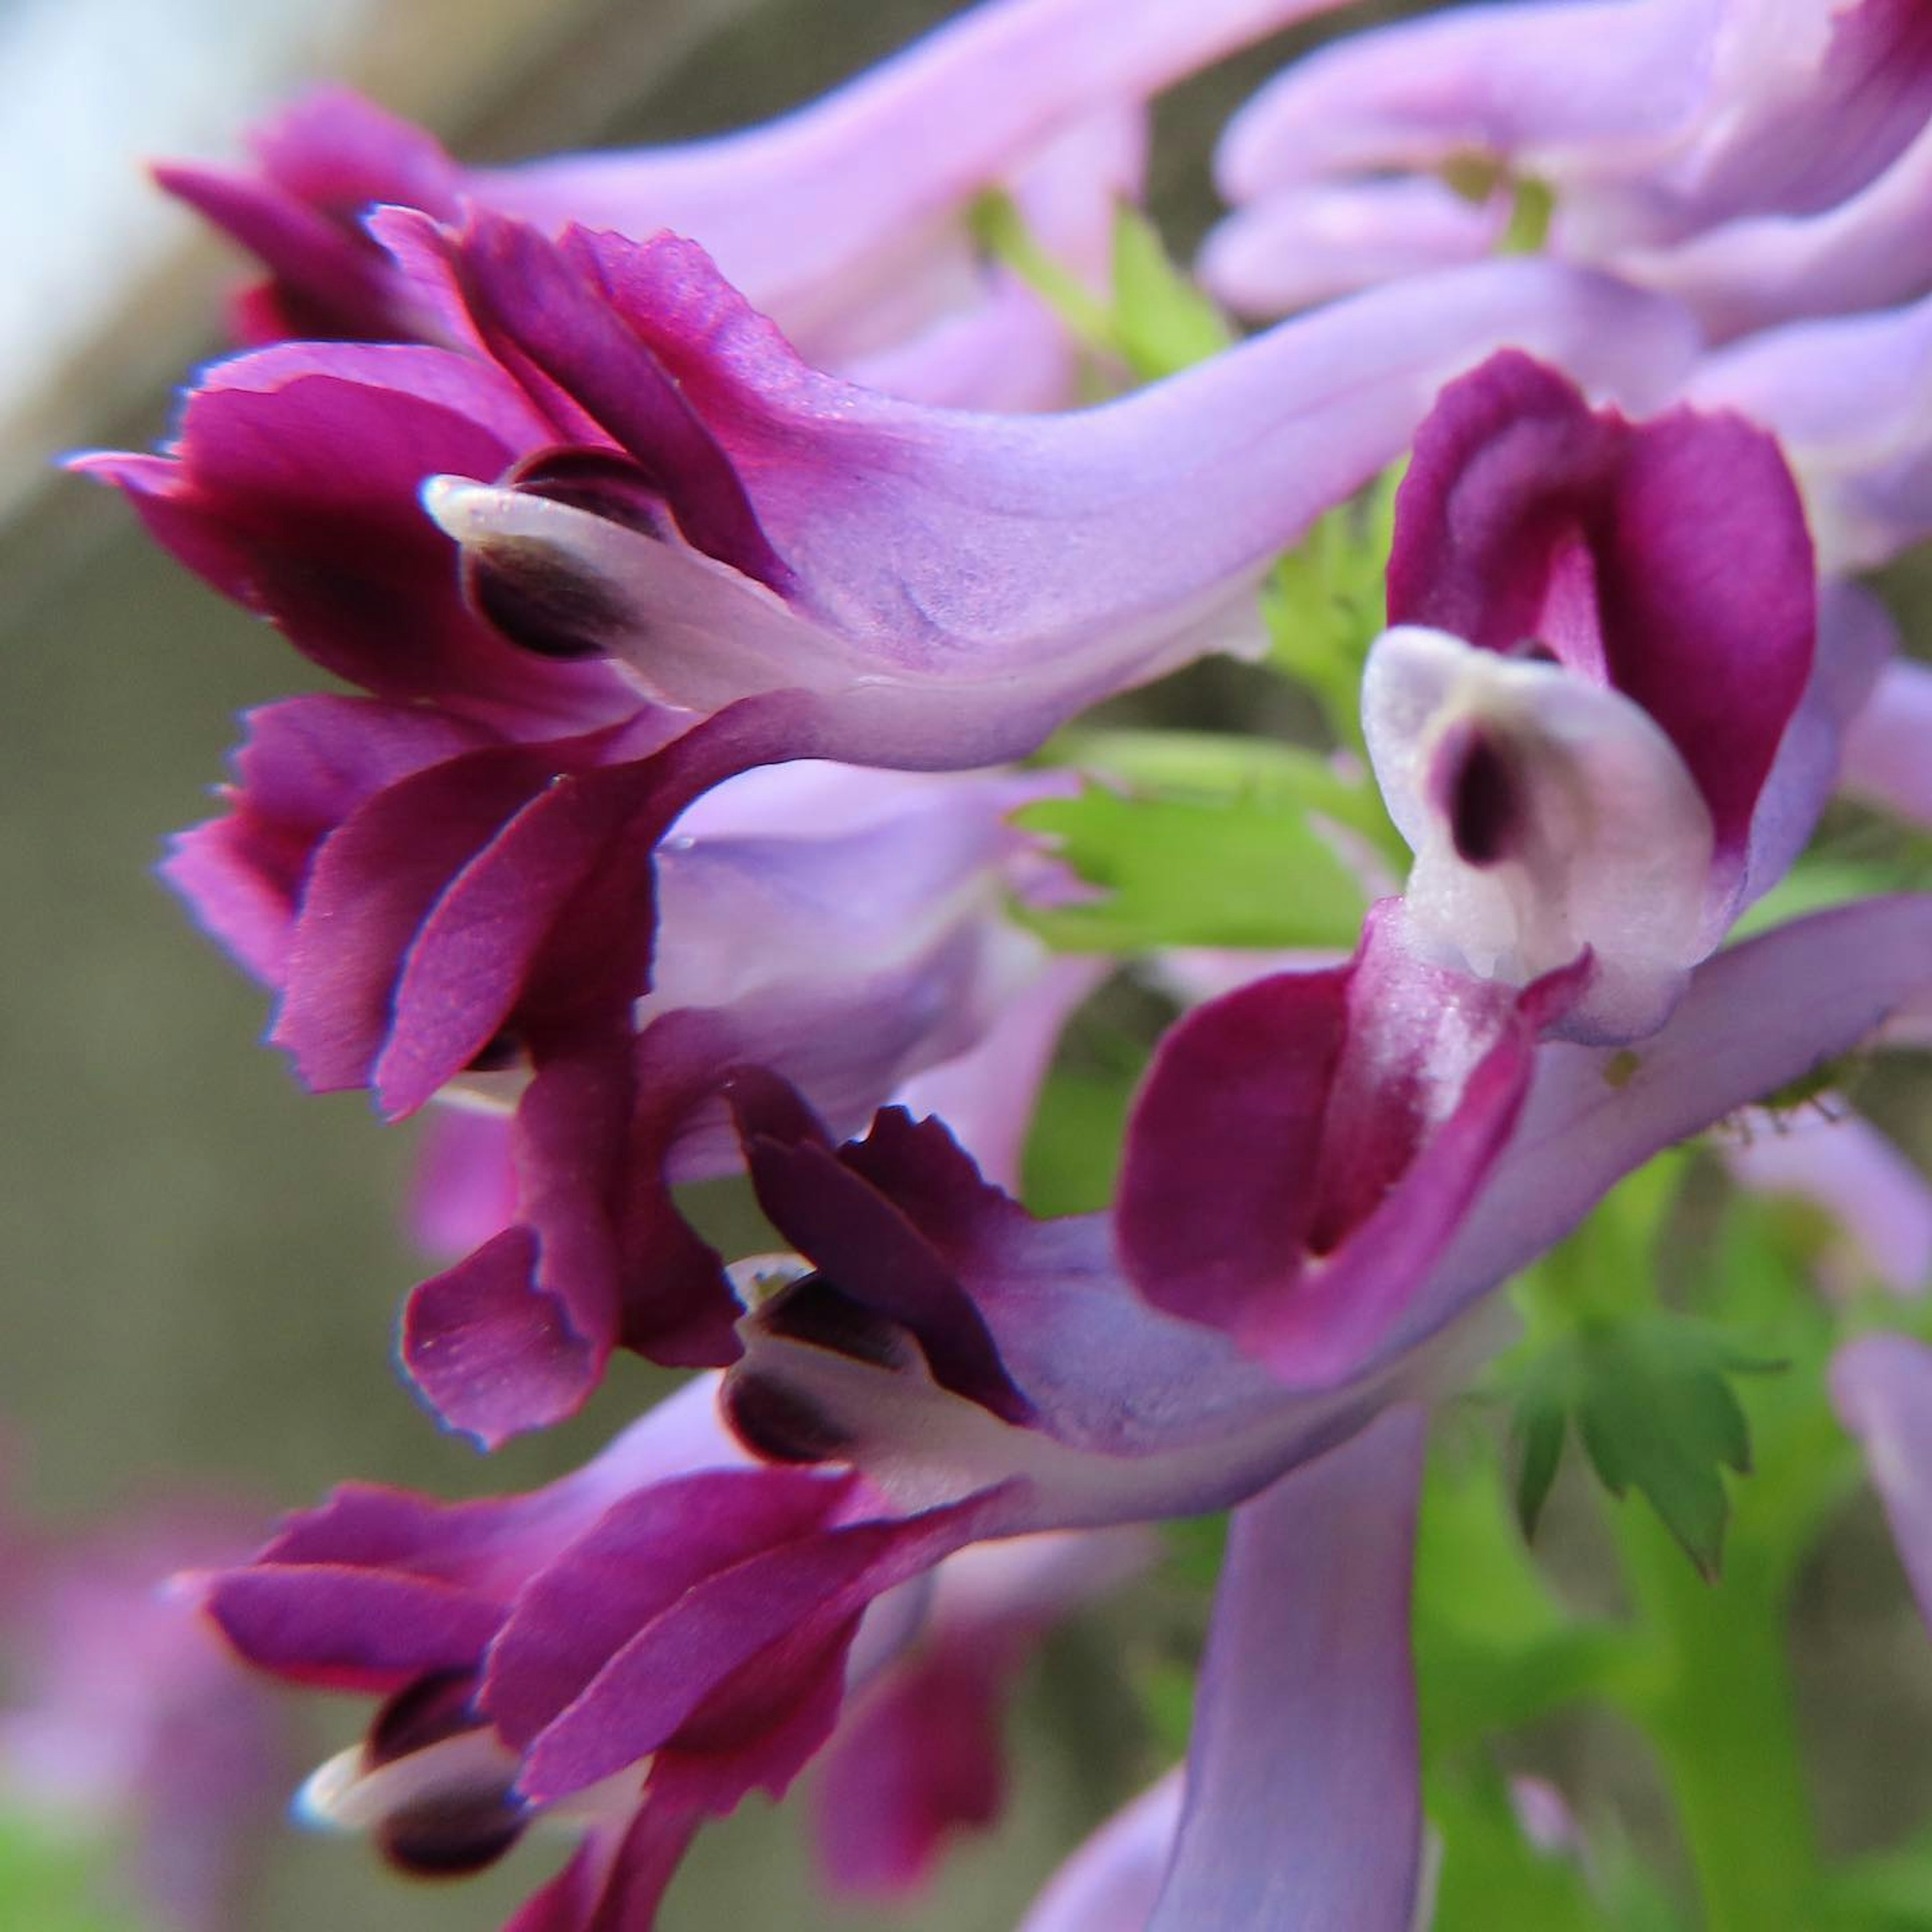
(780, 1423)
(600, 482)
(543, 599)
(544, 310)
(1476, 783)
(815, 1310)
(452, 1834)
(440, 1705)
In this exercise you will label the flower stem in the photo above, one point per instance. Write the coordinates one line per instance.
(1721, 1716)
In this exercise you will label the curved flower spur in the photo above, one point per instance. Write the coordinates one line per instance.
(526, 1646)
(847, 221)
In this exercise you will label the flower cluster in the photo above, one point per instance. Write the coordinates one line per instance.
(715, 563)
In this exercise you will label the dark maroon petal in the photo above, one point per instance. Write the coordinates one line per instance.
(491, 1354)
(294, 489)
(757, 1638)
(1711, 602)
(329, 280)
(350, 1628)
(617, 1880)
(372, 885)
(1669, 558)
(307, 764)
(530, 296)
(517, 1336)
(551, 925)
(1303, 1148)
(837, 1210)
(1219, 1188)
(645, 1554)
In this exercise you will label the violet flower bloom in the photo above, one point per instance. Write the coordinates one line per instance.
(640, 467)
(1761, 164)
(633, 1648)
(844, 220)
(124, 1714)
(1426, 1142)
(1587, 734)
(954, 1349)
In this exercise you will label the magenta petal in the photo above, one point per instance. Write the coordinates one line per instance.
(1305, 1146)
(644, 1555)
(1219, 1187)
(740, 1650)
(307, 764)
(842, 1209)
(374, 880)
(1303, 1807)
(537, 301)
(293, 486)
(617, 1878)
(351, 1628)
(1757, 1017)
(918, 1757)
(1524, 515)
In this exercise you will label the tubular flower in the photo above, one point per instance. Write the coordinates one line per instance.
(633, 1648)
(845, 221)
(1584, 721)
(638, 470)
(946, 1341)
(1762, 163)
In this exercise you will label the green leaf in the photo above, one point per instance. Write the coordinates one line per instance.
(1653, 1405)
(1327, 603)
(1162, 322)
(1495, 1646)
(1883, 1892)
(1541, 1425)
(1188, 871)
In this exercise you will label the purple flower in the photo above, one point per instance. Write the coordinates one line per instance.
(844, 221)
(641, 470)
(1299, 1806)
(1605, 631)
(633, 1648)
(1760, 170)
(946, 1341)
